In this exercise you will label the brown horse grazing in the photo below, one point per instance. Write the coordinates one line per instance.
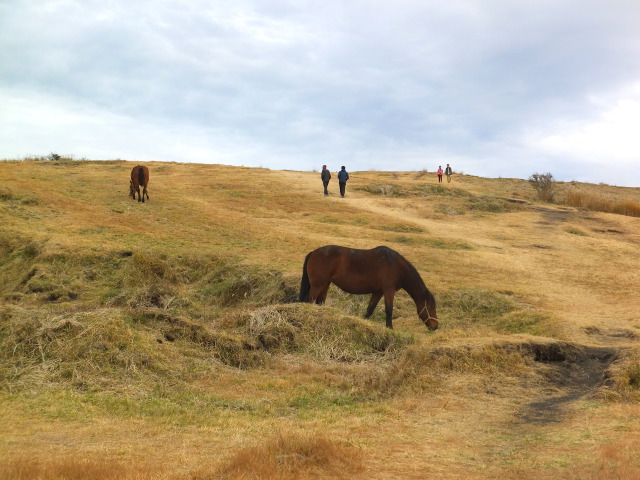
(139, 176)
(380, 271)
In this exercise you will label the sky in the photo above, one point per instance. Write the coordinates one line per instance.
(495, 88)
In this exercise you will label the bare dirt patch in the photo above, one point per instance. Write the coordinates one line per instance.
(571, 377)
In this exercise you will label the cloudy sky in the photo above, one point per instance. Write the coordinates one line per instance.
(496, 88)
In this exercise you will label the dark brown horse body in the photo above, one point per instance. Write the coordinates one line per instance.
(380, 272)
(139, 177)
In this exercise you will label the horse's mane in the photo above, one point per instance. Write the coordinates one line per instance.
(392, 255)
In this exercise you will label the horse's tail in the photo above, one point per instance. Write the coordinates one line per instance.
(140, 175)
(305, 285)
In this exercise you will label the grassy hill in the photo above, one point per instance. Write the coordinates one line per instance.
(163, 340)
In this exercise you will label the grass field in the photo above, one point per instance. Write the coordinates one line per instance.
(163, 340)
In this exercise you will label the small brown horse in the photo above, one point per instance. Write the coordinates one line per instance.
(139, 176)
(380, 271)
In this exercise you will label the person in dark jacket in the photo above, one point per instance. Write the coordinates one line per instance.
(325, 175)
(448, 172)
(343, 176)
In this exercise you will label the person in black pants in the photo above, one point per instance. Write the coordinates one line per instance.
(343, 176)
(325, 175)
(448, 172)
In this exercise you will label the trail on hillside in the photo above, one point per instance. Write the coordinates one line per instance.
(521, 242)
(600, 341)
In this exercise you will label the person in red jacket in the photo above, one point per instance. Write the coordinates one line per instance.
(440, 172)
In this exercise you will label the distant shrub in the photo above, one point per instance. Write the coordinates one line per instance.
(544, 185)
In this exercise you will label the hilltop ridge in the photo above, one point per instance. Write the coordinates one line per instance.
(179, 315)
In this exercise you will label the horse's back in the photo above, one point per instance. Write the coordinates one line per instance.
(140, 175)
(361, 257)
(355, 270)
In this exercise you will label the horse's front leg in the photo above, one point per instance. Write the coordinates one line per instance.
(373, 303)
(388, 307)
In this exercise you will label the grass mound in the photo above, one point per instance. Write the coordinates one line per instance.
(623, 378)
(319, 332)
(428, 368)
(39, 272)
(86, 351)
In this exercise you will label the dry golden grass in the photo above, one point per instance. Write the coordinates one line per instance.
(157, 340)
(291, 455)
(598, 203)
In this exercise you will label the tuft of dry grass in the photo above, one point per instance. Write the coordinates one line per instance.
(291, 456)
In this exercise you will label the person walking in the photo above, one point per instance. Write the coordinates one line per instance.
(343, 176)
(448, 172)
(440, 173)
(325, 175)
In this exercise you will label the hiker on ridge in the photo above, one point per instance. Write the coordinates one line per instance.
(325, 175)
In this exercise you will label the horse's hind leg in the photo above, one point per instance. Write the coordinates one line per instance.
(138, 192)
(144, 192)
(318, 294)
(323, 295)
(373, 302)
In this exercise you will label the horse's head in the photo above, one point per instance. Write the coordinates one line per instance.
(132, 191)
(428, 313)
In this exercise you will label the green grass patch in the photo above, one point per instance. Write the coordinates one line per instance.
(475, 310)
(442, 244)
(440, 191)
(386, 190)
(402, 228)
(576, 231)
(449, 209)
(490, 204)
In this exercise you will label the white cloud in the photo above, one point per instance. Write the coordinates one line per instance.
(611, 138)
(380, 85)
